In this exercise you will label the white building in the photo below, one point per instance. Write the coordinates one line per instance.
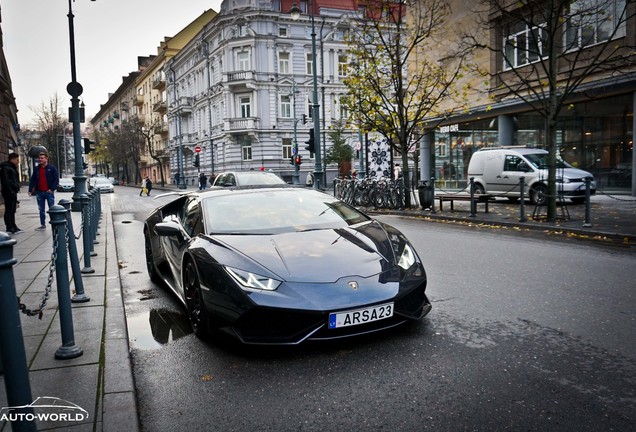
(230, 89)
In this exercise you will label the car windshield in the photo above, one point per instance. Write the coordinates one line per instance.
(540, 161)
(277, 211)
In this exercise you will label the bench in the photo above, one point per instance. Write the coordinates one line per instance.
(479, 199)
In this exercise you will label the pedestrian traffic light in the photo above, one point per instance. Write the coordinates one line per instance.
(310, 142)
(299, 160)
(196, 161)
(88, 145)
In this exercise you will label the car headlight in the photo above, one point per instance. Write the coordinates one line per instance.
(408, 257)
(252, 280)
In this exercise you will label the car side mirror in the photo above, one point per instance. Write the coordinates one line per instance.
(522, 166)
(168, 229)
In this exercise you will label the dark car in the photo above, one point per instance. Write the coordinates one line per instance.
(247, 178)
(281, 265)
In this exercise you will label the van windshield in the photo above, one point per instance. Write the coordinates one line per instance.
(540, 161)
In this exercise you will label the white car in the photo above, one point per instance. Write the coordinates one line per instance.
(102, 184)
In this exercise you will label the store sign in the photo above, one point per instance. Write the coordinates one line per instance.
(449, 128)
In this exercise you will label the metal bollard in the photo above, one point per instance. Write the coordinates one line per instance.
(80, 296)
(433, 192)
(522, 200)
(588, 219)
(93, 223)
(86, 233)
(68, 350)
(473, 204)
(12, 353)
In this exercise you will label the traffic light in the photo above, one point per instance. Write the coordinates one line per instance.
(196, 161)
(304, 118)
(310, 143)
(291, 160)
(85, 165)
(298, 160)
(88, 145)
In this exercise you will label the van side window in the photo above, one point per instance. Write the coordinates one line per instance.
(512, 163)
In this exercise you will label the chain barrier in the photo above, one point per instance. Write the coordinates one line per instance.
(601, 192)
(49, 285)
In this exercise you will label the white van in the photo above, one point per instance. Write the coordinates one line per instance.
(497, 171)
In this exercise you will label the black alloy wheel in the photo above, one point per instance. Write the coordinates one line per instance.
(194, 300)
(539, 195)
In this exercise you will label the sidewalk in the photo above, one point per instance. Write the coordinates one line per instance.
(100, 380)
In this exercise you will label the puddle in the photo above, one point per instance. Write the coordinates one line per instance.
(157, 327)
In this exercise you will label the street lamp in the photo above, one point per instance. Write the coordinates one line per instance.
(75, 90)
(315, 113)
(296, 176)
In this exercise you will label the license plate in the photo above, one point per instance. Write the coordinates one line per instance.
(360, 316)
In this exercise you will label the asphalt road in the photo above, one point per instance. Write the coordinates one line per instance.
(525, 334)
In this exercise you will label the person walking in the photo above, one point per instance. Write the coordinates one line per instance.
(43, 184)
(148, 186)
(10, 183)
(143, 188)
(202, 181)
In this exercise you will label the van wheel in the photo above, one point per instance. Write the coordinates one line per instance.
(539, 195)
(479, 190)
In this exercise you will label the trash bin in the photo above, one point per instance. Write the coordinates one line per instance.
(425, 193)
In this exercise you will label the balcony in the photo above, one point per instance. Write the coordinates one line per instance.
(184, 105)
(240, 78)
(242, 124)
(161, 129)
(139, 100)
(159, 83)
(160, 107)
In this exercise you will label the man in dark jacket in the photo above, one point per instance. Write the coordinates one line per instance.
(43, 184)
(10, 182)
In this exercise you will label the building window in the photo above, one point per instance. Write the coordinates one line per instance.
(283, 62)
(524, 45)
(309, 62)
(590, 22)
(285, 106)
(246, 150)
(287, 148)
(243, 60)
(242, 30)
(282, 31)
(343, 65)
(245, 105)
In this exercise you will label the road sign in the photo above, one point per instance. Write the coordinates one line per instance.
(197, 149)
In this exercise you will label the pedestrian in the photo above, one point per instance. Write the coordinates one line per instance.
(43, 184)
(143, 188)
(309, 181)
(10, 183)
(177, 177)
(212, 178)
(202, 181)
(148, 186)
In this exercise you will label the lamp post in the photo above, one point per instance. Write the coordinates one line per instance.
(181, 180)
(296, 176)
(315, 113)
(75, 90)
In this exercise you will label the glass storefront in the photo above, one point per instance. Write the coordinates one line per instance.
(595, 136)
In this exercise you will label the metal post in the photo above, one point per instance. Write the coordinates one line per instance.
(522, 200)
(433, 194)
(79, 296)
(181, 183)
(296, 176)
(473, 204)
(68, 350)
(588, 219)
(12, 352)
(86, 234)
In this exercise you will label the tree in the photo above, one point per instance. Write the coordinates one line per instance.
(51, 123)
(340, 152)
(546, 52)
(396, 82)
(147, 133)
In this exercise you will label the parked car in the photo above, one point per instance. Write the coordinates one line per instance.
(497, 171)
(247, 178)
(102, 184)
(66, 185)
(240, 264)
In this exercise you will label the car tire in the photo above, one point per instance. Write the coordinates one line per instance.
(150, 260)
(194, 301)
(539, 195)
(479, 190)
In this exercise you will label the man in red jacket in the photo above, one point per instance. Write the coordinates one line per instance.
(44, 182)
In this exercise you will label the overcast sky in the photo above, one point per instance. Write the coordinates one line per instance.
(109, 36)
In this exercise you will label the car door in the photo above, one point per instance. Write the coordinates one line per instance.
(514, 168)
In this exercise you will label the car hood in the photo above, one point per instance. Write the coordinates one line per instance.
(319, 256)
